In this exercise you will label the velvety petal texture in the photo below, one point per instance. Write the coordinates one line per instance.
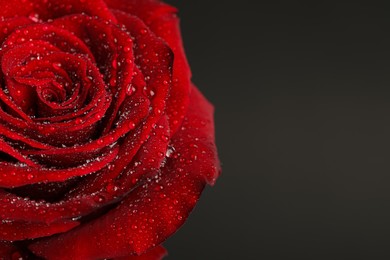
(105, 144)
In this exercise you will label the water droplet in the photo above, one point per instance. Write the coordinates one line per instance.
(99, 198)
(34, 17)
(113, 82)
(111, 188)
(130, 89)
(16, 256)
(131, 125)
(57, 65)
(114, 63)
(169, 152)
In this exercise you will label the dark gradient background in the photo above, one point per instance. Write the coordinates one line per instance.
(302, 96)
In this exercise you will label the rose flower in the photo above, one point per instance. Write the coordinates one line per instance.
(105, 145)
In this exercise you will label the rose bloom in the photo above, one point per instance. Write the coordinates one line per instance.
(105, 144)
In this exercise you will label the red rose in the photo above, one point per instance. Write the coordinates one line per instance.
(105, 144)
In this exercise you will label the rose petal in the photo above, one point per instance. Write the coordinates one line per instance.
(8, 251)
(6, 148)
(155, 210)
(21, 138)
(162, 20)
(60, 133)
(137, 109)
(113, 49)
(89, 196)
(20, 176)
(21, 230)
(157, 253)
(44, 9)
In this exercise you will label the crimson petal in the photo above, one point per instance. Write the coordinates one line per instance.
(162, 20)
(8, 251)
(155, 210)
(20, 176)
(44, 9)
(21, 230)
(156, 253)
(89, 196)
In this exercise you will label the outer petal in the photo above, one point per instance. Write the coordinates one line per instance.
(29, 175)
(155, 210)
(162, 20)
(21, 230)
(8, 251)
(157, 253)
(44, 9)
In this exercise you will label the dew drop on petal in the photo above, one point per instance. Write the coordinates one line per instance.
(131, 125)
(16, 256)
(130, 89)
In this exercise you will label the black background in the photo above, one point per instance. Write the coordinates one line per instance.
(302, 101)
